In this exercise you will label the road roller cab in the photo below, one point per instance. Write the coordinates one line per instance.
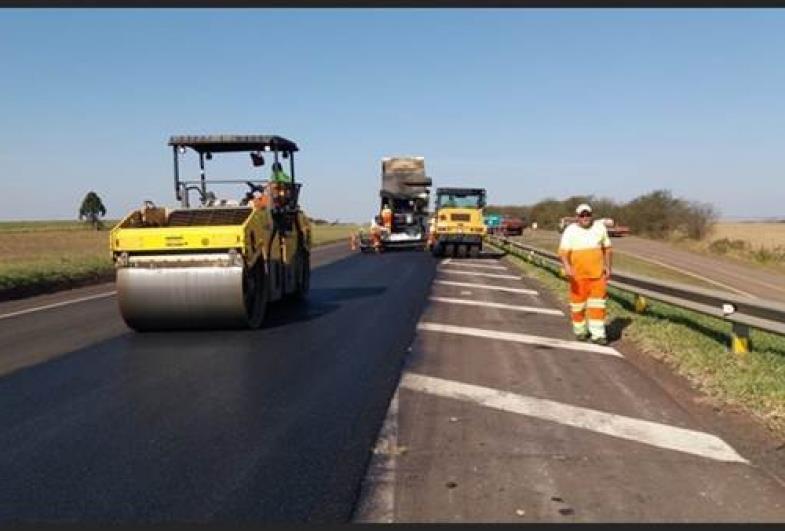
(220, 263)
(457, 226)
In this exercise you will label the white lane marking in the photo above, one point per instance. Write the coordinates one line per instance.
(486, 286)
(519, 338)
(642, 431)
(688, 273)
(57, 305)
(377, 499)
(530, 309)
(481, 266)
(466, 292)
(446, 261)
(478, 274)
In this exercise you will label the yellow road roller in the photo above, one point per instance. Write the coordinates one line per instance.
(217, 264)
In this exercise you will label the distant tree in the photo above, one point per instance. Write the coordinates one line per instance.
(92, 210)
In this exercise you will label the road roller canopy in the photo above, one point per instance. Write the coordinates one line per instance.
(228, 143)
(257, 146)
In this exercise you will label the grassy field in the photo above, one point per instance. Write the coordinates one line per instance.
(762, 244)
(38, 254)
(549, 240)
(695, 346)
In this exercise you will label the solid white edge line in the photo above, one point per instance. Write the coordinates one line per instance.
(377, 499)
(56, 305)
(688, 273)
(516, 337)
(530, 309)
(525, 291)
(643, 431)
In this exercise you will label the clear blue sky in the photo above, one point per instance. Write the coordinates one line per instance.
(529, 103)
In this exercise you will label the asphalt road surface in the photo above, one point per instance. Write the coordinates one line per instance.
(497, 415)
(725, 274)
(102, 424)
(501, 417)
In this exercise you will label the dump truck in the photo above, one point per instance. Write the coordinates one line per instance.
(402, 219)
(511, 226)
(220, 263)
(457, 226)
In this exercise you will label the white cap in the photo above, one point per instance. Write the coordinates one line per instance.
(583, 206)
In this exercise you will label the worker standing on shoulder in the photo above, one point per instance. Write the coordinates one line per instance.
(387, 216)
(585, 252)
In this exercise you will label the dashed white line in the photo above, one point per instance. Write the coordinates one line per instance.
(57, 305)
(478, 274)
(529, 309)
(518, 338)
(642, 431)
(481, 266)
(486, 286)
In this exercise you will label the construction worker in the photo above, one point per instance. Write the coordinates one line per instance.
(387, 216)
(279, 175)
(376, 232)
(278, 187)
(585, 252)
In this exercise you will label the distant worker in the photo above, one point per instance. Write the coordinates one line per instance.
(376, 232)
(387, 216)
(585, 252)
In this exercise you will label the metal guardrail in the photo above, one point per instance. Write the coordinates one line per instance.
(742, 312)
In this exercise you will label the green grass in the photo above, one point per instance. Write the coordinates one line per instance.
(48, 226)
(696, 346)
(323, 234)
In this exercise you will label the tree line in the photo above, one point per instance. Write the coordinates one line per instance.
(657, 214)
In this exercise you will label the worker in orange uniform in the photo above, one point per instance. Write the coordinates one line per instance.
(585, 252)
(376, 232)
(387, 216)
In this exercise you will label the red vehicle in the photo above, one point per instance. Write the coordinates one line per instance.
(511, 226)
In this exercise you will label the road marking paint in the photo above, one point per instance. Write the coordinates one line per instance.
(530, 309)
(689, 273)
(486, 286)
(478, 274)
(518, 338)
(629, 428)
(482, 266)
(466, 292)
(446, 261)
(57, 305)
(377, 499)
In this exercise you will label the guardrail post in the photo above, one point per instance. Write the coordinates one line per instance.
(740, 338)
(640, 303)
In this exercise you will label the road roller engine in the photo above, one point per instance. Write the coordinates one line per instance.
(457, 227)
(217, 264)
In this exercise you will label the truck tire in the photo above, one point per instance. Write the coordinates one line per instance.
(461, 251)
(474, 251)
(449, 249)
